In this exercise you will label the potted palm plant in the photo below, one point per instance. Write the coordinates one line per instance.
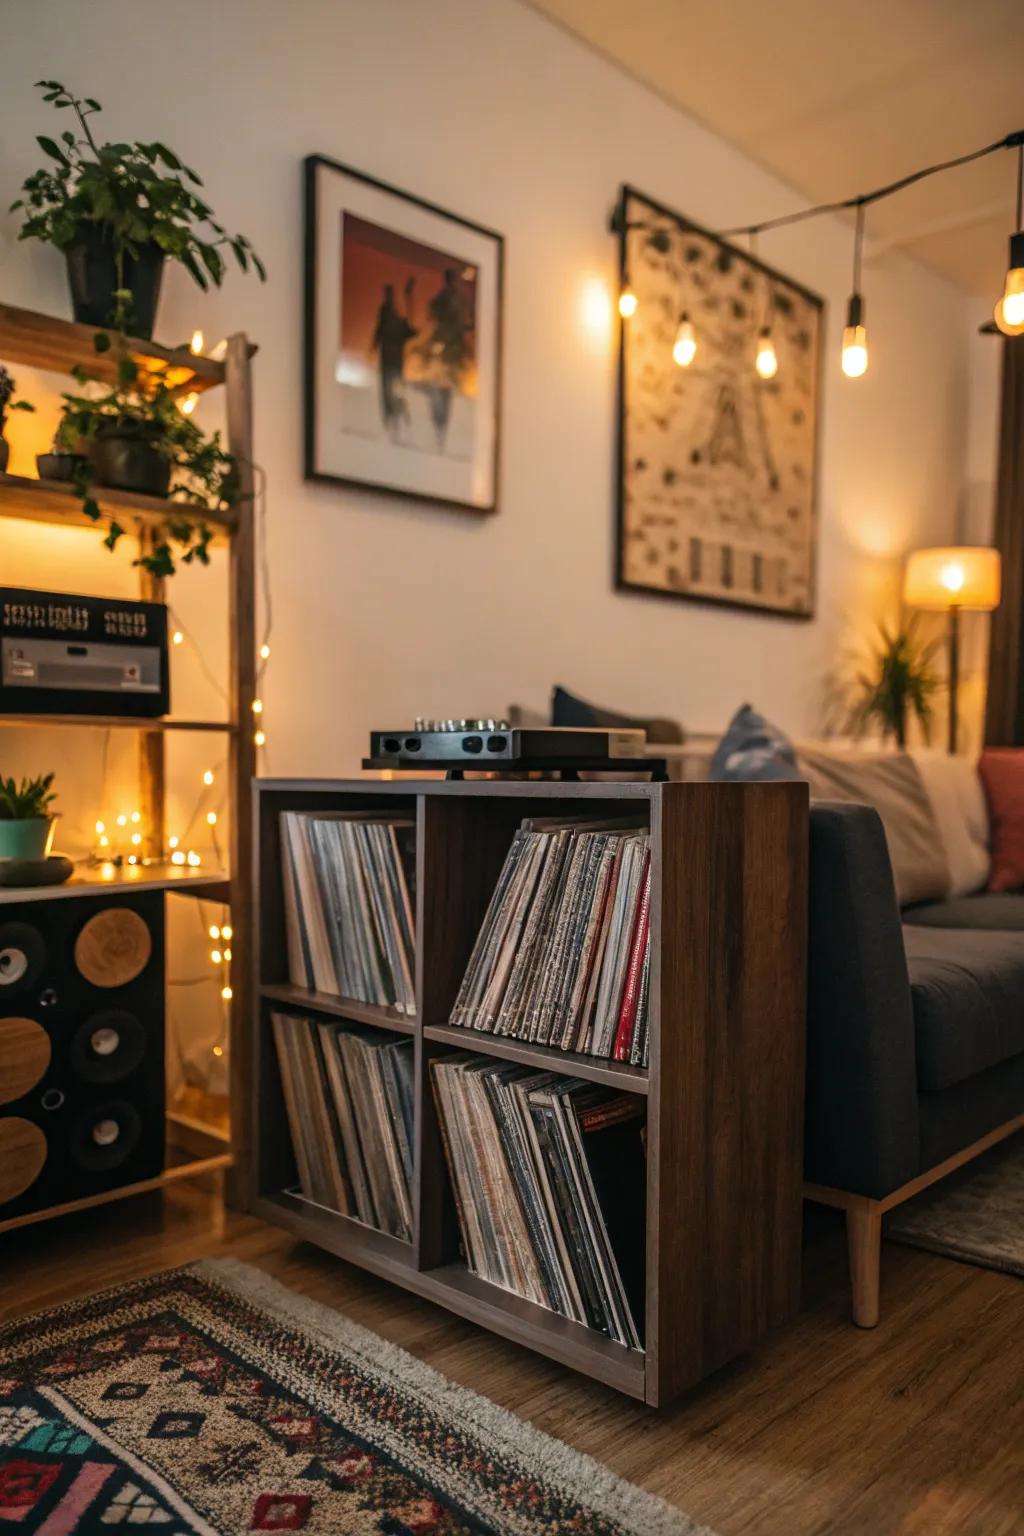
(26, 825)
(901, 682)
(117, 212)
(8, 403)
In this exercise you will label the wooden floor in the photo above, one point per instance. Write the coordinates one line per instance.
(915, 1428)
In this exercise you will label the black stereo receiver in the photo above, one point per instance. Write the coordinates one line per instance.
(454, 745)
(66, 655)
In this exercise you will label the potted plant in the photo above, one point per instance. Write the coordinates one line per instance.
(901, 682)
(8, 403)
(136, 437)
(117, 211)
(64, 458)
(26, 825)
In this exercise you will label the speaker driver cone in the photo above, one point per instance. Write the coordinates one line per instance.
(24, 1057)
(23, 1152)
(103, 1137)
(113, 947)
(107, 1046)
(22, 957)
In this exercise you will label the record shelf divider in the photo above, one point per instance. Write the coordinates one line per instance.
(724, 1089)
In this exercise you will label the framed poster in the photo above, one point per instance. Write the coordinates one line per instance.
(403, 342)
(718, 463)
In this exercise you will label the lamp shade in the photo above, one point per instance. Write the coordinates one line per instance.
(965, 577)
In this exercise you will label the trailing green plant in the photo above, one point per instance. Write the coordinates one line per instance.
(141, 404)
(900, 683)
(7, 400)
(140, 193)
(29, 800)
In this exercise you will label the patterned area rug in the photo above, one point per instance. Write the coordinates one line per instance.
(977, 1214)
(211, 1400)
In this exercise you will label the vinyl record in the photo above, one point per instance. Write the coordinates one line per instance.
(105, 1135)
(22, 957)
(24, 1057)
(107, 1046)
(22, 1155)
(113, 947)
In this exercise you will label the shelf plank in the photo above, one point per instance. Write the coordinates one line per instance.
(340, 1007)
(452, 1286)
(192, 1169)
(597, 1069)
(54, 501)
(120, 722)
(106, 878)
(57, 346)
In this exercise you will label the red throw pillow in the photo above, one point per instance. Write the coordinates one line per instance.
(1002, 773)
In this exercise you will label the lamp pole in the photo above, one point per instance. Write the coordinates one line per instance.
(954, 673)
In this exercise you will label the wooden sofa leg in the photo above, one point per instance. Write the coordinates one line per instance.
(864, 1242)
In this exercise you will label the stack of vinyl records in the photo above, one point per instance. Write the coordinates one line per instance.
(348, 1097)
(348, 881)
(549, 1181)
(563, 956)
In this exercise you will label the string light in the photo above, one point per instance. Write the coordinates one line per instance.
(172, 842)
(627, 301)
(177, 857)
(766, 362)
(195, 346)
(136, 817)
(136, 839)
(216, 956)
(177, 637)
(188, 403)
(260, 738)
(265, 651)
(257, 706)
(193, 859)
(104, 841)
(208, 776)
(122, 820)
(227, 994)
(1009, 311)
(100, 827)
(227, 931)
(214, 931)
(855, 339)
(227, 955)
(684, 348)
(211, 818)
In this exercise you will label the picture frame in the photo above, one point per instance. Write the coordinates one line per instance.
(717, 467)
(403, 309)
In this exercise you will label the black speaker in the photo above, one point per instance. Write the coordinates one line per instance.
(81, 1047)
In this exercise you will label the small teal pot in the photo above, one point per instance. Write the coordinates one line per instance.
(26, 839)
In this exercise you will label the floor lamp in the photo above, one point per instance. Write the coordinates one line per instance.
(951, 580)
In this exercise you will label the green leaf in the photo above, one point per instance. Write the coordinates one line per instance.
(101, 342)
(51, 148)
(91, 508)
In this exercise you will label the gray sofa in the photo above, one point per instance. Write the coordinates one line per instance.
(915, 1032)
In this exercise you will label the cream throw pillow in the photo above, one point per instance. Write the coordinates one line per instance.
(954, 787)
(890, 782)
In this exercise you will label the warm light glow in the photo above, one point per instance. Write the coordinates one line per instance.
(968, 577)
(260, 738)
(627, 303)
(195, 346)
(218, 1050)
(100, 827)
(172, 842)
(133, 858)
(211, 817)
(208, 776)
(766, 362)
(227, 994)
(227, 954)
(104, 842)
(855, 351)
(178, 857)
(194, 859)
(684, 348)
(188, 404)
(214, 931)
(257, 706)
(136, 817)
(265, 652)
(177, 637)
(122, 821)
(136, 838)
(227, 931)
(216, 956)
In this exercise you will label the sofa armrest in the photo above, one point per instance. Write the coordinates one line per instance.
(862, 1112)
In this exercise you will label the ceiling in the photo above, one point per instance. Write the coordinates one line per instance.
(840, 97)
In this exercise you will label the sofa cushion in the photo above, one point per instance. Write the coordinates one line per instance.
(967, 992)
(1000, 910)
(953, 785)
(1002, 774)
(569, 710)
(890, 782)
(753, 749)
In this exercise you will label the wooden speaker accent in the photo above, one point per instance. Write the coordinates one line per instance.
(24, 1057)
(22, 1155)
(113, 947)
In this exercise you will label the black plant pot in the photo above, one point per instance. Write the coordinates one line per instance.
(129, 460)
(92, 278)
(58, 466)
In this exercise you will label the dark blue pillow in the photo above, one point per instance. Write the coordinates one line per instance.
(753, 748)
(569, 710)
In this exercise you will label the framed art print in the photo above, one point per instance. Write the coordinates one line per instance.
(403, 342)
(718, 455)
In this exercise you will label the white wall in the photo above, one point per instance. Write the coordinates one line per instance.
(387, 609)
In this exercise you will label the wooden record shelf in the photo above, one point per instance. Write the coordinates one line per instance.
(724, 1090)
(51, 344)
(340, 1007)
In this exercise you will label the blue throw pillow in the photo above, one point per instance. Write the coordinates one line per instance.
(753, 748)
